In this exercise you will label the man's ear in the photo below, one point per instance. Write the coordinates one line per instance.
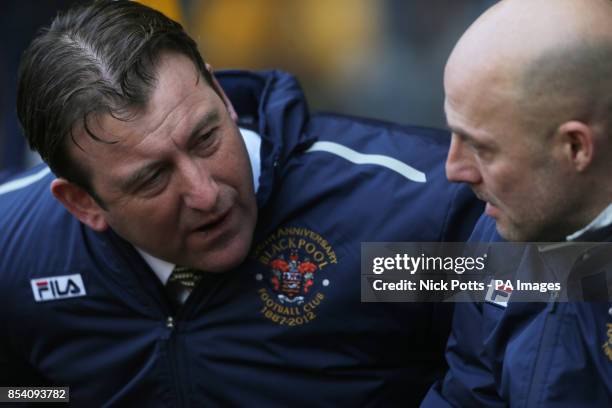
(217, 87)
(79, 203)
(578, 144)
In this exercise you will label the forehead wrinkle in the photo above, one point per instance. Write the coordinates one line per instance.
(166, 89)
(163, 121)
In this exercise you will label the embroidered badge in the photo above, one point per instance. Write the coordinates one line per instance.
(499, 293)
(293, 285)
(57, 287)
(607, 346)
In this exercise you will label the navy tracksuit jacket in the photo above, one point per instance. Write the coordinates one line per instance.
(524, 354)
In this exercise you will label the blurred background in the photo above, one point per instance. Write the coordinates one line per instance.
(376, 58)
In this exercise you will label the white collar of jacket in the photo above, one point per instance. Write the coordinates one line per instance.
(163, 269)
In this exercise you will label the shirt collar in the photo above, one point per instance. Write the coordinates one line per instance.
(161, 268)
(603, 220)
(252, 140)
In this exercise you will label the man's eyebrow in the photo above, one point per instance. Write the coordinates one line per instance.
(205, 120)
(461, 132)
(138, 176)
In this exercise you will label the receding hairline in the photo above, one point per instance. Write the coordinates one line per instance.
(91, 126)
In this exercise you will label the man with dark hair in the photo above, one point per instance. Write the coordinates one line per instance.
(200, 262)
(528, 101)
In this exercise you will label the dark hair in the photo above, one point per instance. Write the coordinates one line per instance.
(94, 59)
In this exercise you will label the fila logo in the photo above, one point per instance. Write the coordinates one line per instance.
(57, 287)
(498, 293)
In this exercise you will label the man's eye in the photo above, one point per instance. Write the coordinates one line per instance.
(483, 153)
(476, 147)
(153, 181)
(205, 139)
(154, 177)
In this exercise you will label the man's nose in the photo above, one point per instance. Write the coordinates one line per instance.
(200, 190)
(461, 166)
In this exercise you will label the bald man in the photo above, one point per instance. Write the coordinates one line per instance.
(529, 101)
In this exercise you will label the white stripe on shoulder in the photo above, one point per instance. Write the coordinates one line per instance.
(359, 158)
(24, 181)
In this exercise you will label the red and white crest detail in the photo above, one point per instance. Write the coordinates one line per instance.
(292, 278)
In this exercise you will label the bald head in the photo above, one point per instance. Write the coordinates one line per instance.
(550, 58)
(528, 100)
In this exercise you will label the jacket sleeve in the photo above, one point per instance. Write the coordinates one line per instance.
(470, 381)
(463, 212)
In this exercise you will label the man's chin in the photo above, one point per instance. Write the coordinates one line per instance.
(505, 231)
(224, 259)
(514, 234)
(225, 253)
(220, 267)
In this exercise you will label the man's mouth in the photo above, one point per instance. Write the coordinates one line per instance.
(215, 222)
(490, 209)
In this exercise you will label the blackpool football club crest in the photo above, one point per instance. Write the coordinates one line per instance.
(292, 278)
(296, 263)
